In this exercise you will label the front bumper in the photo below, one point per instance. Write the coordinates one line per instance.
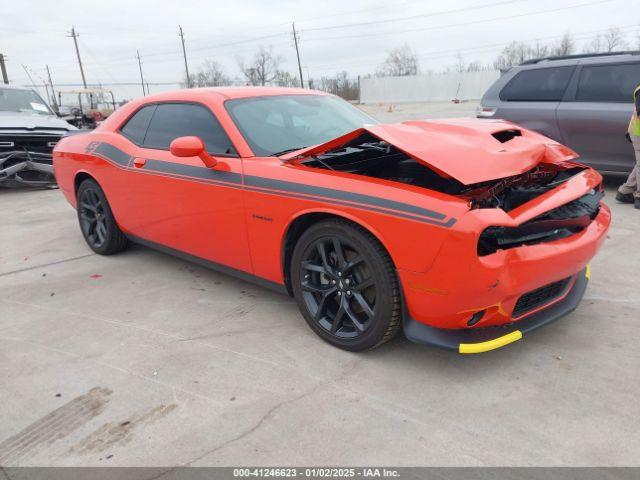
(478, 340)
(26, 168)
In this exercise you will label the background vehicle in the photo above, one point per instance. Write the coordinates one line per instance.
(86, 107)
(582, 101)
(367, 225)
(28, 132)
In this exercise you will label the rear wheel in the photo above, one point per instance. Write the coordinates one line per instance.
(345, 285)
(99, 227)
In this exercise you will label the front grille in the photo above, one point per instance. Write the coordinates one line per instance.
(539, 297)
(32, 143)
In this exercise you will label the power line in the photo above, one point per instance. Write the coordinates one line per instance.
(585, 35)
(29, 75)
(413, 17)
(463, 24)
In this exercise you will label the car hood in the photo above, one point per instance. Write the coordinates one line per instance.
(469, 150)
(24, 122)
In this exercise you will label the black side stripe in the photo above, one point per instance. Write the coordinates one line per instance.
(340, 195)
(408, 216)
(191, 171)
(271, 186)
(107, 150)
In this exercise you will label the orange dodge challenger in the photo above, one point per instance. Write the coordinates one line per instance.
(465, 233)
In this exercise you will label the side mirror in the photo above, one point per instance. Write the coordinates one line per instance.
(192, 147)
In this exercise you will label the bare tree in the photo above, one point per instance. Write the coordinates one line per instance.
(596, 45)
(263, 68)
(400, 62)
(476, 66)
(513, 54)
(210, 74)
(286, 79)
(539, 50)
(614, 40)
(341, 85)
(460, 65)
(566, 46)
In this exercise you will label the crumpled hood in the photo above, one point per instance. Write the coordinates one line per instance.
(464, 149)
(24, 122)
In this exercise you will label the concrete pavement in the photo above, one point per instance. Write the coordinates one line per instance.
(143, 359)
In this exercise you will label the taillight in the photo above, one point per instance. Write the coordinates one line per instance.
(485, 112)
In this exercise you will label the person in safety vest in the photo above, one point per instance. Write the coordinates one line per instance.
(629, 192)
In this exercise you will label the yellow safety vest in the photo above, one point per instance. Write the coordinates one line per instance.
(634, 125)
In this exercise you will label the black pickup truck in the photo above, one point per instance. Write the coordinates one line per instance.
(28, 132)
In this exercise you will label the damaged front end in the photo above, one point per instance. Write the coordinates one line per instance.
(561, 222)
(488, 165)
(26, 160)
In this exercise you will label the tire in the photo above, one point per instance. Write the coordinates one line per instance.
(345, 285)
(98, 226)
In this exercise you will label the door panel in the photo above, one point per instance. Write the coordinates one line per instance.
(191, 208)
(537, 116)
(597, 132)
(595, 121)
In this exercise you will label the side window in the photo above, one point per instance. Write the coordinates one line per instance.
(608, 83)
(538, 85)
(173, 120)
(136, 126)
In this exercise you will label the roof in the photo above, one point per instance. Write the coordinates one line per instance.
(233, 92)
(581, 56)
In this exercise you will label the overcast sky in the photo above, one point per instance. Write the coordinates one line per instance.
(334, 34)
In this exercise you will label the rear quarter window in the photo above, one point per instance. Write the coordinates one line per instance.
(538, 85)
(136, 127)
(608, 83)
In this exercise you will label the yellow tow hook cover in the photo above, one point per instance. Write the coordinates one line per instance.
(490, 344)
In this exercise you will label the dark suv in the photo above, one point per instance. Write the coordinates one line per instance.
(582, 101)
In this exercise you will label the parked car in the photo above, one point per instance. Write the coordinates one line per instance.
(28, 132)
(467, 233)
(582, 101)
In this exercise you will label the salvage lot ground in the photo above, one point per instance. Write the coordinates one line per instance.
(143, 359)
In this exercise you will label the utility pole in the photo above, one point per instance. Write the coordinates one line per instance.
(184, 54)
(141, 77)
(53, 92)
(75, 36)
(295, 41)
(4, 69)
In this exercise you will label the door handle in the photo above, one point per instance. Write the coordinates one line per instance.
(139, 162)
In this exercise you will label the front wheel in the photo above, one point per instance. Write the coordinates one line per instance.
(97, 223)
(345, 285)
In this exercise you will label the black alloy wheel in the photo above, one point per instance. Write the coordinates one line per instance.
(98, 226)
(345, 285)
(92, 218)
(339, 290)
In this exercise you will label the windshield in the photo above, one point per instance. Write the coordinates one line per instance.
(277, 124)
(14, 100)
